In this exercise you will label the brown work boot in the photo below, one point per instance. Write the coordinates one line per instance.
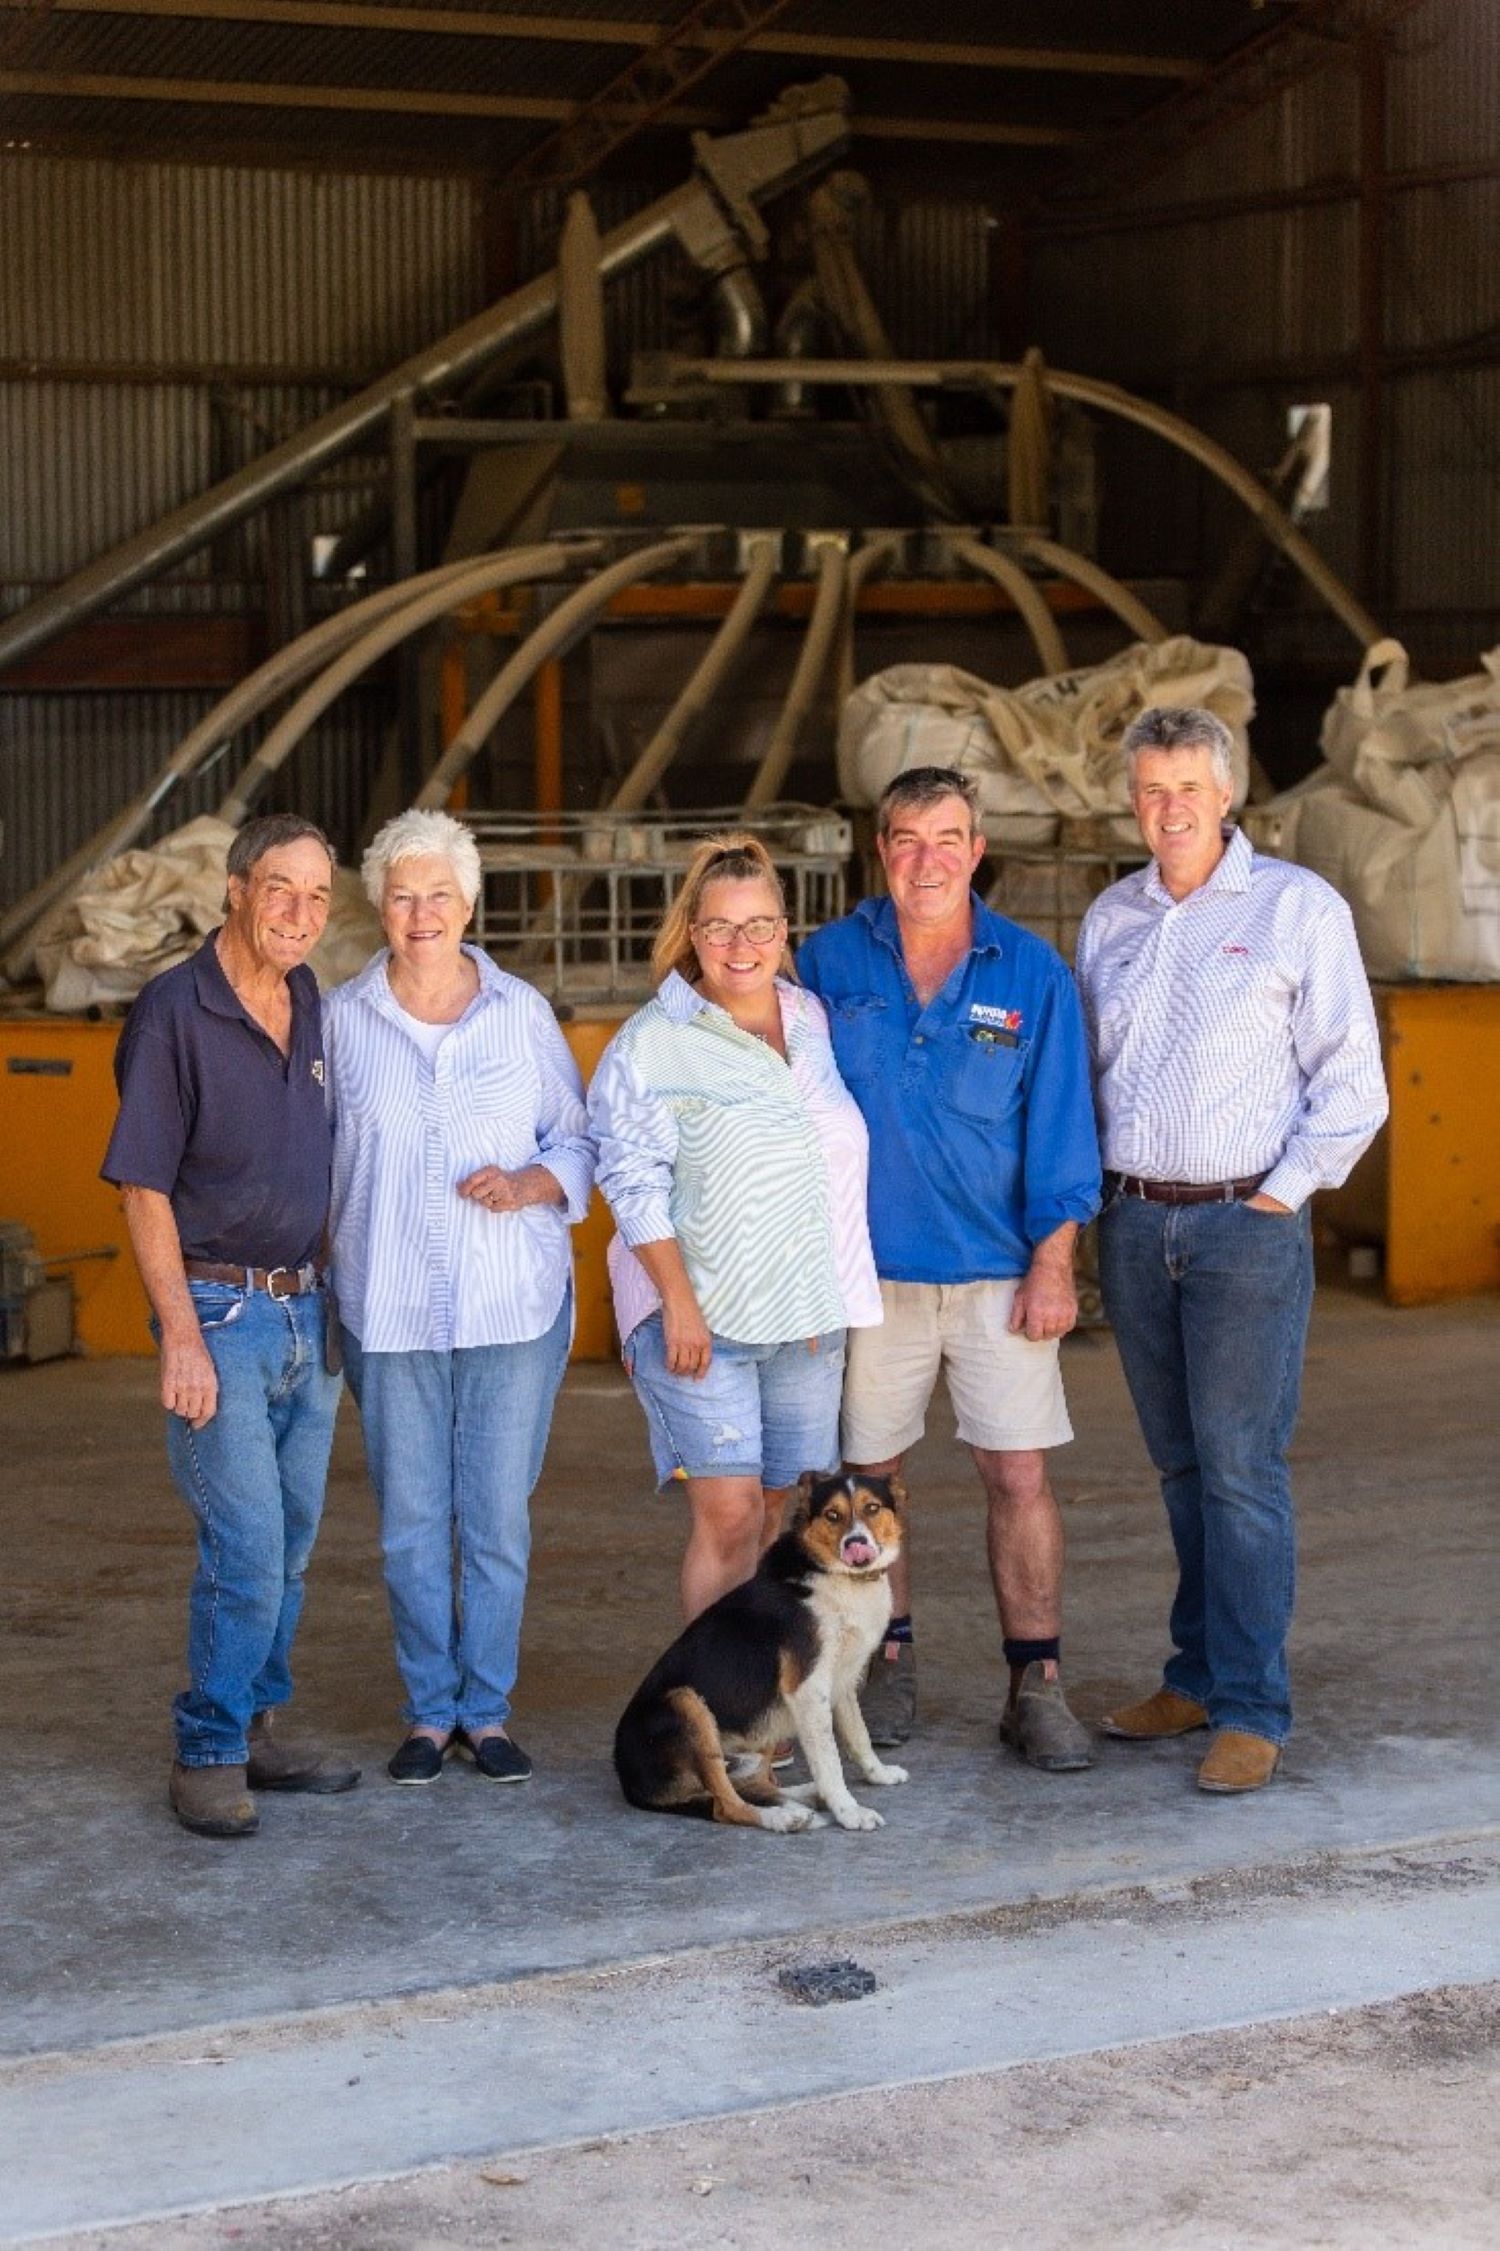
(1237, 1762)
(213, 1801)
(888, 1699)
(278, 1764)
(1155, 1718)
(1037, 1723)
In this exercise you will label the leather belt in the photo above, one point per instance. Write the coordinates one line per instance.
(276, 1281)
(1184, 1191)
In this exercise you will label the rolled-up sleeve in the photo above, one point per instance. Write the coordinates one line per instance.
(636, 1135)
(1062, 1177)
(1336, 1040)
(565, 1144)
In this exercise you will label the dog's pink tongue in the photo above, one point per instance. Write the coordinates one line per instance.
(858, 1551)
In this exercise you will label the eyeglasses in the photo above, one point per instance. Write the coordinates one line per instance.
(760, 930)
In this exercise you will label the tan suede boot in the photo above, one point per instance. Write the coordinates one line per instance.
(283, 1763)
(1237, 1762)
(213, 1801)
(1155, 1718)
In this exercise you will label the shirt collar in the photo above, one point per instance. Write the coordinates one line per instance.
(989, 929)
(216, 994)
(1232, 872)
(680, 1002)
(371, 983)
(212, 986)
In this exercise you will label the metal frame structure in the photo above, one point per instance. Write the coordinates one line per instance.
(572, 901)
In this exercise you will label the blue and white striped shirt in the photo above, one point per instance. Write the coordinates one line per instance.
(756, 1166)
(416, 1266)
(1232, 1031)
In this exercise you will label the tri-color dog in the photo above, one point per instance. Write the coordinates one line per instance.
(782, 1655)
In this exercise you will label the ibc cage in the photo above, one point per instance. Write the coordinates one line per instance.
(1048, 888)
(572, 901)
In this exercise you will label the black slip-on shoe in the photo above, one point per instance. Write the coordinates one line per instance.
(496, 1757)
(419, 1759)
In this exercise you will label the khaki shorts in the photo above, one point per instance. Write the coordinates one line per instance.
(1007, 1392)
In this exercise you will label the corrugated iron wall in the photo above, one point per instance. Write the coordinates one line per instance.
(160, 325)
(1232, 319)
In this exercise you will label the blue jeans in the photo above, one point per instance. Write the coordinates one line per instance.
(454, 1443)
(1210, 1304)
(762, 1410)
(253, 1478)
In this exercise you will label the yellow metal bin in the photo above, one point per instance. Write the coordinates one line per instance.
(57, 1106)
(1429, 1188)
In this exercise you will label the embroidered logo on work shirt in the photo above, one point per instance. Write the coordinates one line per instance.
(1237, 950)
(317, 1068)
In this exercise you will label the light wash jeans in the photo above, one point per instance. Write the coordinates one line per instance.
(454, 1443)
(1210, 1304)
(253, 1478)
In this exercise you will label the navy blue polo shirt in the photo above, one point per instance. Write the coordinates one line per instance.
(214, 1116)
(982, 1138)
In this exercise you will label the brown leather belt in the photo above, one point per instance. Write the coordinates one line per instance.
(1183, 1191)
(276, 1281)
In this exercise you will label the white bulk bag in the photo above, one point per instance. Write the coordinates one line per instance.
(1045, 751)
(1404, 819)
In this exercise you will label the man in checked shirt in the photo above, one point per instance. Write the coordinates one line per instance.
(1237, 1069)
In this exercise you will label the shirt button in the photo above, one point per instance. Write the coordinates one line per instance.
(918, 1040)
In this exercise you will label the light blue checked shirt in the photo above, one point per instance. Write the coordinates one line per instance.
(416, 1266)
(1232, 1031)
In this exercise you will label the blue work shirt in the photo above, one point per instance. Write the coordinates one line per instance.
(216, 1118)
(982, 1137)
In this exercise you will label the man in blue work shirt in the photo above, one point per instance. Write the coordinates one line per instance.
(961, 1039)
(223, 1153)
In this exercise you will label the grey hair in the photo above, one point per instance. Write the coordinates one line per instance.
(267, 833)
(1187, 726)
(420, 835)
(921, 786)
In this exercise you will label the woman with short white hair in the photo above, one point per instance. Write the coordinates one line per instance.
(461, 1157)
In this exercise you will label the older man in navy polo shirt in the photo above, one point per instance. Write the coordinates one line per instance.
(223, 1153)
(961, 1039)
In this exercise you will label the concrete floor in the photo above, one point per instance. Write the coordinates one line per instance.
(134, 1954)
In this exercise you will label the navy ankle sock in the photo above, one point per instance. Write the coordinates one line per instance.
(899, 1629)
(1020, 1654)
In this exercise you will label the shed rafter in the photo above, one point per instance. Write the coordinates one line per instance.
(404, 101)
(595, 31)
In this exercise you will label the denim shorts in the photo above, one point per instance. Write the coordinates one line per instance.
(762, 1410)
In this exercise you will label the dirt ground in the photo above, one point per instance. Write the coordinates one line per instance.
(1366, 2128)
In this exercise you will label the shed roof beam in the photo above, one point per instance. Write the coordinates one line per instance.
(401, 101)
(578, 31)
